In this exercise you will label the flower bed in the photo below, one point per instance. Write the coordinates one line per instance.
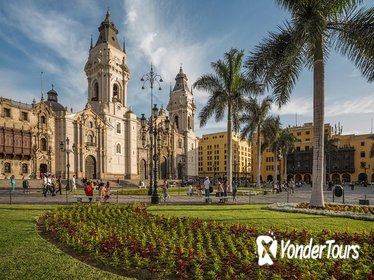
(329, 210)
(340, 208)
(131, 239)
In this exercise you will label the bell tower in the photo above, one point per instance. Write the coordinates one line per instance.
(181, 105)
(107, 71)
(182, 110)
(107, 76)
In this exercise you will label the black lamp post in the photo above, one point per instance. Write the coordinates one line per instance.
(64, 147)
(34, 149)
(156, 131)
(49, 154)
(153, 78)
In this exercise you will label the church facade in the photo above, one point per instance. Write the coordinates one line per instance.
(105, 137)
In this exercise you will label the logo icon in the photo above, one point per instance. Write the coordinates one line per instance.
(263, 250)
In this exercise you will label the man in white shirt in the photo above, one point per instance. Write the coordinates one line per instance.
(206, 187)
(73, 184)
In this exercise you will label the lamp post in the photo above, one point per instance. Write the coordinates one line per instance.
(152, 78)
(49, 154)
(34, 149)
(65, 148)
(156, 131)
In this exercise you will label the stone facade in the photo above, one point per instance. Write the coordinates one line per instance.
(104, 138)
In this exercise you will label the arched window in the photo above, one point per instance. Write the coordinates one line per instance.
(42, 120)
(189, 122)
(91, 125)
(118, 148)
(25, 168)
(7, 168)
(118, 127)
(95, 96)
(115, 91)
(43, 144)
(176, 121)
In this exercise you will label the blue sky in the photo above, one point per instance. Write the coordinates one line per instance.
(54, 37)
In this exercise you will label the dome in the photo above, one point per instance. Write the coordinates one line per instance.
(55, 105)
(52, 101)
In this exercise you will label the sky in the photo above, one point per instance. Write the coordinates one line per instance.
(53, 37)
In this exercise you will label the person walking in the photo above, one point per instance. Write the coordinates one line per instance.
(13, 182)
(234, 191)
(74, 184)
(207, 186)
(88, 189)
(291, 184)
(25, 185)
(58, 185)
(106, 191)
(165, 188)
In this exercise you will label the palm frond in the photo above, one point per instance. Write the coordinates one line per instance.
(354, 38)
(277, 61)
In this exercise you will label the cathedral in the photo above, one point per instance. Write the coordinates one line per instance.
(104, 140)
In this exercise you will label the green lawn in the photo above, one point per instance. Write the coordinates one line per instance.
(254, 214)
(25, 255)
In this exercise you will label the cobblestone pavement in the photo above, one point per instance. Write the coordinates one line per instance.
(301, 195)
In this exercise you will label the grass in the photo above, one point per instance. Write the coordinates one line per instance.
(256, 215)
(25, 255)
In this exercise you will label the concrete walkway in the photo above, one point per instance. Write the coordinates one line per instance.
(301, 195)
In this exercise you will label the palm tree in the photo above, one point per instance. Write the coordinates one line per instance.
(330, 147)
(287, 145)
(272, 130)
(227, 87)
(255, 119)
(304, 41)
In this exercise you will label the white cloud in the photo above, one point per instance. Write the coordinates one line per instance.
(167, 44)
(353, 106)
(297, 105)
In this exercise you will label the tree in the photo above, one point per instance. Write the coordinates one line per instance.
(227, 87)
(286, 145)
(314, 27)
(255, 119)
(272, 130)
(330, 148)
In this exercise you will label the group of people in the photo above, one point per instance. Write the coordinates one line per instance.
(222, 190)
(284, 186)
(102, 189)
(51, 184)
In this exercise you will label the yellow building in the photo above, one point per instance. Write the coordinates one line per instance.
(213, 156)
(349, 162)
(363, 163)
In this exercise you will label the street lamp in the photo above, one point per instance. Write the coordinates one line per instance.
(49, 154)
(34, 149)
(65, 148)
(156, 131)
(152, 78)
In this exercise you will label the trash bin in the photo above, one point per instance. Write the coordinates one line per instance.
(338, 191)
